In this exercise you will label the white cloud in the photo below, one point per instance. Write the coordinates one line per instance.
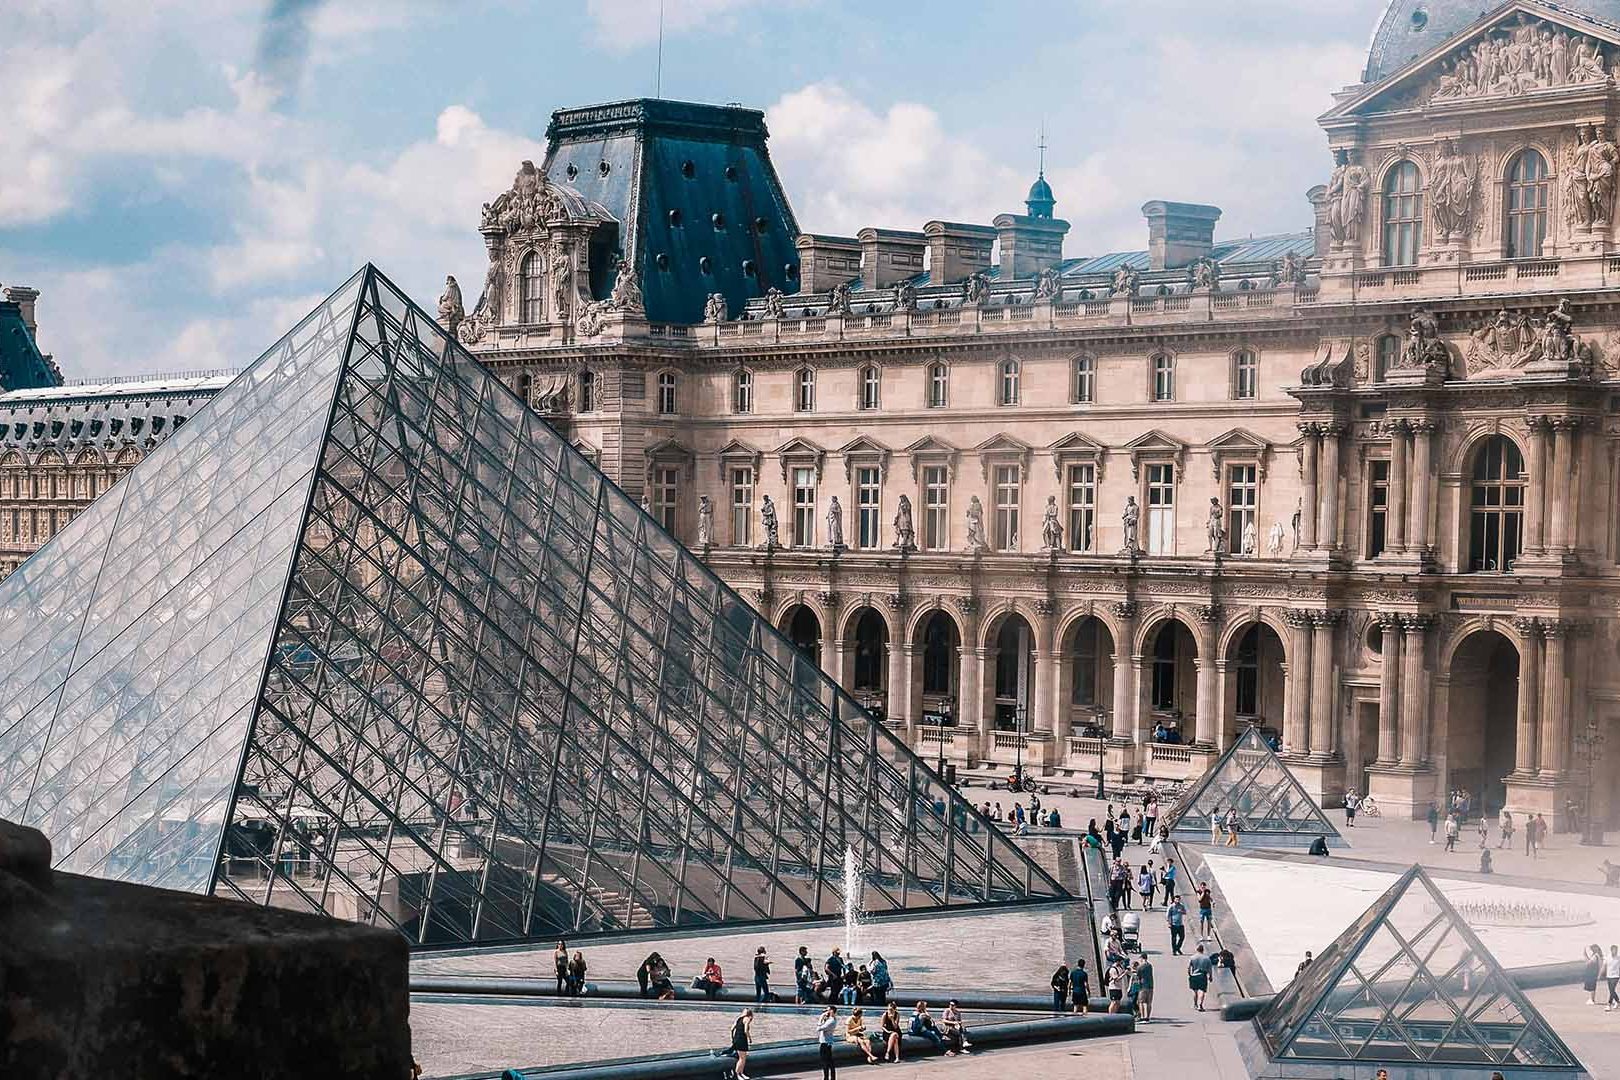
(630, 24)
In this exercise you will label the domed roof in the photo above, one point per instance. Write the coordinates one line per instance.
(1411, 28)
(1040, 200)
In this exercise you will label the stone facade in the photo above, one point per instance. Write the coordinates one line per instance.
(1355, 485)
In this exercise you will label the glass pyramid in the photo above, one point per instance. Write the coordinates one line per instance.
(367, 637)
(1274, 809)
(1409, 982)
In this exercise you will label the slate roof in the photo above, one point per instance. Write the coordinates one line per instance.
(21, 364)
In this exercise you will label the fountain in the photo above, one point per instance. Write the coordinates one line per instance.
(852, 900)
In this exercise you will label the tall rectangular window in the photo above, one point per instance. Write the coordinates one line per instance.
(1377, 507)
(868, 492)
(666, 393)
(587, 391)
(939, 385)
(1164, 377)
(1242, 506)
(804, 394)
(1245, 375)
(871, 387)
(1082, 506)
(742, 506)
(1007, 494)
(742, 392)
(1084, 390)
(1161, 509)
(804, 507)
(936, 507)
(665, 499)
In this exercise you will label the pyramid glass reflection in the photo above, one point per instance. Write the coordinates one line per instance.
(368, 637)
(1409, 983)
(1274, 809)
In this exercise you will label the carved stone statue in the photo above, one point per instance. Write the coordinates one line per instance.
(705, 533)
(767, 520)
(1577, 191)
(773, 303)
(1557, 334)
(1217, 528)
(1051, 527)
(626, 295)
(1274, 540)
(905, 296)
(1602, 160)
(714, 309)
(835, 525)
(561, 268)
(1204, 273)
(976, 288)
(1127, 280)
(976, 540)
(1047, 285)
(1251, 538)
(1129, 520)
(1289, 270)
(1515, 58)
(1452, 183)
(1299, 512)
(1423, 348)
(838, 299)
(905, 533)
(1346, 198)
(450, 310)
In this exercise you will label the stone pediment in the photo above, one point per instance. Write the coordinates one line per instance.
(1003, 449)
(1155, 444)
(1001, 442)
(931, 451)
(802, 452)
(863, 444)
(929, 444)
(668, 450)
(1077, 448)
(866, 452)
(739, 454)
(1240, 445)
(1521, 50)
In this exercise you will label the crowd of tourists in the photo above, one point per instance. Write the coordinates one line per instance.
(879, 1041)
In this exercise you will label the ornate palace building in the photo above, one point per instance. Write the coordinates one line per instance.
(1355, 485)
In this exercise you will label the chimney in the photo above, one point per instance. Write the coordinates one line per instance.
(890, 255)
(1179, 233)
(1319, 212)
(956, 252)
(825, 261)
(24, 298)
(1029, 244)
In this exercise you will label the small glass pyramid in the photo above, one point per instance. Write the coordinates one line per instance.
(1409, 982)
(1274, 809)
(368, 637)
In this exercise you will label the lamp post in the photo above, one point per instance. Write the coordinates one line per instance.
(1589, 744)
(1018, 743)
(1102, 761)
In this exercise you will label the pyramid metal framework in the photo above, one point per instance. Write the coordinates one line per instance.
(368, 637)
(1274, 809)
(1409, 982)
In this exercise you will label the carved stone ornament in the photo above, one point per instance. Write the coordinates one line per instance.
(1424, 348)
(1346, 199)
(1516, 58)
(714, 309)
(1452, 188)
(528, 204)
(1590, 166)
(1512, 340)
(773, 303)
(1127, 280)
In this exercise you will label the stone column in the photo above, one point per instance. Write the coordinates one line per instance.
(1389, 687)
(1124, 722)
(984, 720)
(1308, 467)
(1046, 662)
(1564, 429)
(1397, 487)
(1206, 706)
(832, 659)
(970, 723)
(897, 699)
(1322, 680)
(1535, 540)
(1415, 699)
(1554, 759)
(1296, 723)
(1422, 465)
(1327, 529)
(1525, 730)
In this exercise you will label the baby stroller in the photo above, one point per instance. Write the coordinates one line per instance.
(1130, 932)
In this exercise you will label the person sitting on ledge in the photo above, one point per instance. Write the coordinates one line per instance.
(855, 1032)
(710, 981)
(891, 1032)
(658, 980)
(955, 1031)
(923, 1024)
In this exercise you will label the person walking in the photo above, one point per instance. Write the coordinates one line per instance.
(1167, 880)
(1150, 815)
(855, 1032)
(1060, 989)
(1145, 884)
(1144, 990)
(1504, 826)
(1176, 916)
(1541, 834)
(1080, 987)
(1351, 804)
(1232, 826)
(804, 975)
(891, 1032)
(1114, 980)
(824, 1042)
(1206, 912)
(1484, 833)
(1592, 971)
(881, 983)
(1216, 818)
(762, 976)
(1198, 969)
(560, 958)
(741, 1033)
(1453, 830)
(1433, 818)
(1611, 973)
(1529, 834)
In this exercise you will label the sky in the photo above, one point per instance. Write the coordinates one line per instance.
(183, 179)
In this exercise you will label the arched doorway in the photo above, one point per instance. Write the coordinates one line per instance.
(1088, 676)
(869, 661)
(803, 629)
(1014, 684)
(939, 645)
(1255, 684)
(1482, 717)
(1171, 682)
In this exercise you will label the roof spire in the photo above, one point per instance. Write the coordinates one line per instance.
(1041, 201)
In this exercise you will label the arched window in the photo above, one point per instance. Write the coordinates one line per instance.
(1245, 375)
(1164, 377)
(1527, 192)
(742, 392)
(666, 393)
(804, 390)
(871, 384)
(1007, 394)
(1389, 354)
(531, 288)
(939, 386)
(1496, 508)
(1083, 384)
(1403, 215)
